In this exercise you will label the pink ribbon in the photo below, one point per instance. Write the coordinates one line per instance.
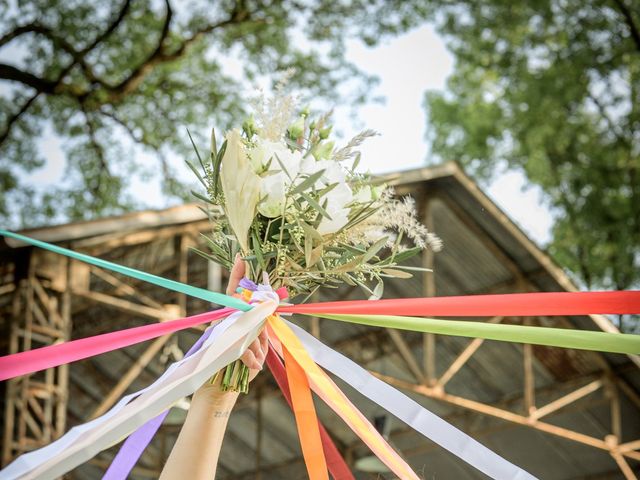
(51, 356)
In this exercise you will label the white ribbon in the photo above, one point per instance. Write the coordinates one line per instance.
(410, 412)
(227, 343)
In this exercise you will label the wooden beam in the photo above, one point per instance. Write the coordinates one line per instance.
(629, 446)
(612, 442)
(126, 305)
(463, 357)
(141, 471)
(7, 288)
(259, 422)
(406, 354)
(181, 246)
(529, 380)
(315, 327)
(105, 243)
(566, 400)
(123, 288)
(500, 413)
(128, 378)
(616, 414)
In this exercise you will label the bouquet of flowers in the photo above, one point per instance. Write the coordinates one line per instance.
(298, 211)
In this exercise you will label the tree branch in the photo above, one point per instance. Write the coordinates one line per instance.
(143, 69)
(608, 119)
(117, 120)
(16, 116)
(124, 9)
(99, 151)
(33, 27)
(9, 72)
(628, 17)
(160, 55)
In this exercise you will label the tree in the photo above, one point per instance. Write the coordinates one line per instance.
(149, 71)
(552, 88)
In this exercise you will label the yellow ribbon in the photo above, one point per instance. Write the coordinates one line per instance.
(333, 396)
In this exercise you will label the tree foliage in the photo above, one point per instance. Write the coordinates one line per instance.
(149, 69)
(552, 88)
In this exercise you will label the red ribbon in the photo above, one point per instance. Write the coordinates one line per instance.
(513, 304)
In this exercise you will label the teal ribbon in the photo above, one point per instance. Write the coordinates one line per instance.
(213, 297)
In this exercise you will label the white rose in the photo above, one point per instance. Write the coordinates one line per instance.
(337, 201)
(274, 182)
(266, 150)
(333, 172)
(272, 189)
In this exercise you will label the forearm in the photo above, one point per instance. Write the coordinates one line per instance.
(196, 451)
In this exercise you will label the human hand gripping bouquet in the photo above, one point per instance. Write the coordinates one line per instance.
(299, 213)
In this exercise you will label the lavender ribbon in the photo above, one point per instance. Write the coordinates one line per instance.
(248, 284)
(137, 442)
(132, 449)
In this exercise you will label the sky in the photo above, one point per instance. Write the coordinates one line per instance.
(407, 66)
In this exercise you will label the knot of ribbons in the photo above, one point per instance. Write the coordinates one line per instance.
(253, 293)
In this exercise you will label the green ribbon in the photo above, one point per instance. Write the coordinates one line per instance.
(213, 297)
(552, 337)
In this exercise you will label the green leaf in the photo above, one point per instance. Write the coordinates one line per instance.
(407, 254)
(196, 149)
(284, 169)
(375, 248)
(309, 231)
(316, 205)
(356, 162)
(216, 167)
(307, 182)
(308, 247)
(378, 291)
(214, 149)
(327, 189)
(396, 273)
(364, 287)
(202, 197)
(257, 250)
(348, 279)
(197, 173)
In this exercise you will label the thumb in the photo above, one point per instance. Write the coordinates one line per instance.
(237, 272)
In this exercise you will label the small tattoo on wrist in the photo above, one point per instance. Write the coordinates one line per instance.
(221, 414)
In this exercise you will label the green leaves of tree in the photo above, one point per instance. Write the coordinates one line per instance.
(551, 90)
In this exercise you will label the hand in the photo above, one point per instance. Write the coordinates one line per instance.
(254, 356)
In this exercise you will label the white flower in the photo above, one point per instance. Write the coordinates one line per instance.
(266, 150)
(337, 201)
(273, 187)
(275, 181)
(333, 172)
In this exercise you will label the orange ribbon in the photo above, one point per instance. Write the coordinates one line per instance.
(306, 419)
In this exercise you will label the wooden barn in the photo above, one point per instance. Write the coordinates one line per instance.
(560, 414)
